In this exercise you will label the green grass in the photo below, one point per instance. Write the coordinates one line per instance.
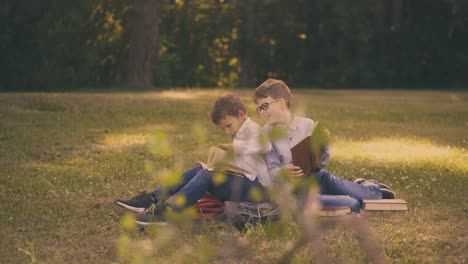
(64, 159)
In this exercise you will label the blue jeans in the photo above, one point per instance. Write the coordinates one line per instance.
(197, 181)
(161, 194)
(335, 191)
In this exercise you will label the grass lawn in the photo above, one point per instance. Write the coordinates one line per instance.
(65, 158)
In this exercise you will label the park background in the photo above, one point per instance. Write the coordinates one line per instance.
(63, 45)
(101, 99)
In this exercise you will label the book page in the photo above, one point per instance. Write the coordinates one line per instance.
(217, 155)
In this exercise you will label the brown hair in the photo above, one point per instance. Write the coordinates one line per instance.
(275, 89)
(227, 105)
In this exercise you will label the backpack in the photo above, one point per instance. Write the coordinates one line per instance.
(239, 214)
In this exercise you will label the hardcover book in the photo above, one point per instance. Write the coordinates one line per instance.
(306, 153)
(386, 205)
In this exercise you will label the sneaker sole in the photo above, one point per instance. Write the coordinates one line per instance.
(151, 223)
(131, 208)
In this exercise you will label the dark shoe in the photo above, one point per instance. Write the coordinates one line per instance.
(138, 203)
(153, 215)
(387, 192)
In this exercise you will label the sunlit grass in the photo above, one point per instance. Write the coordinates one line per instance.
(400, 151)
(188, 94)
(64, 159)
(120, 142)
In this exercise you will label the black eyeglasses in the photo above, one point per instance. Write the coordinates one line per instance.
(264, 106)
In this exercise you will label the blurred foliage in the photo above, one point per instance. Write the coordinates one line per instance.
(66, 44)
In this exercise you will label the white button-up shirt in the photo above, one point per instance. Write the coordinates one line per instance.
(249, 151)
(293, 133)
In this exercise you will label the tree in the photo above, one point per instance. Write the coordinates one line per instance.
(247, 43)
(144, 41)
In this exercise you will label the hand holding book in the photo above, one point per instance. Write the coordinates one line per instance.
(293, 172)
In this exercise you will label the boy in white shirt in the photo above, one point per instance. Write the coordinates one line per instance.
(273, 99)
(229, 113)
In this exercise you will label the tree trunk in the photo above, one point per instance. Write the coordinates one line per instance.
(396, 15)
(379, 14)
(144, 41)
(458, 10)
(247, 43)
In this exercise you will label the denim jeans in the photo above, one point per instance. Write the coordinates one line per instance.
(162, 194)
(335, 191)
(197, 181)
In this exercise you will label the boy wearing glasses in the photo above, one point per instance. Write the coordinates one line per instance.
(273, 99)
(229, 113)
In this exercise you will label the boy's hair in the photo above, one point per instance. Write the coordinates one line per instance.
(276, 89)
(227, 105)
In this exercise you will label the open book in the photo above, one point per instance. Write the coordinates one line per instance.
(306, 153)
(386, 205)
(218, 159)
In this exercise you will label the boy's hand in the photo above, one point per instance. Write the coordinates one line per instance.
(293, 172)
(224, 146)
